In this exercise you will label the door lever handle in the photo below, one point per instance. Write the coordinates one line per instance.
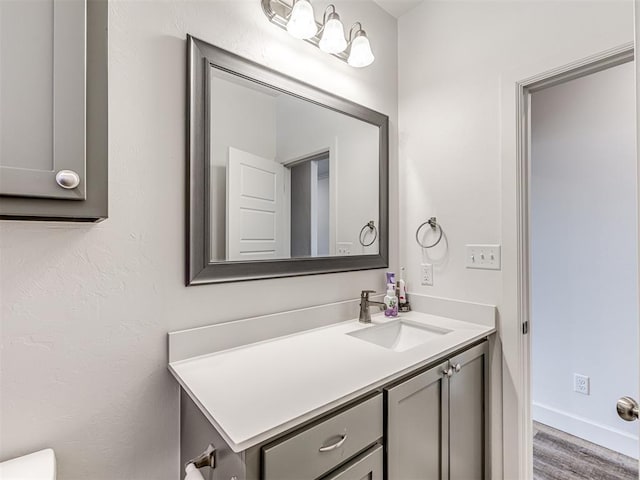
(627, 409)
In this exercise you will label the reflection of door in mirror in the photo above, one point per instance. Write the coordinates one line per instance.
(310, 206)
(256, 208)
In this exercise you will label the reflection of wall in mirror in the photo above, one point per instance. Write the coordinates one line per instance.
(355, 167)
(242, 118)
(273, 125)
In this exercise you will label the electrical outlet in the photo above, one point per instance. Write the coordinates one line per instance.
(344, 248)
(426, 271)
(581, 384)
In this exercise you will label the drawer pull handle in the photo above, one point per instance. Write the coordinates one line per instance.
(338, 444)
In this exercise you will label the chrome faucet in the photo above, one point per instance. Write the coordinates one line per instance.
(365, 314)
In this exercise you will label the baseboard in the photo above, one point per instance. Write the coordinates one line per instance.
(599, 434)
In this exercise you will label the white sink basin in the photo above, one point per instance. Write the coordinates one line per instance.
(399, 335)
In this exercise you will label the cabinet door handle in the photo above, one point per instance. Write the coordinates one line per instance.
(338, 444)
(457, 367)
(447, 372)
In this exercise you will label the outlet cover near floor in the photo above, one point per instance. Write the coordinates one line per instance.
(581, 384)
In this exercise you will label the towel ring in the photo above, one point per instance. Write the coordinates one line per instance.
(371, 225)
(433, 224)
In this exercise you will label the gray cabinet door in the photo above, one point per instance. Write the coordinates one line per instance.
(467, 406)
(42, 97)
(417, 427)
(367, 466)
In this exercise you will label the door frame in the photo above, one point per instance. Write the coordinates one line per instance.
(332, 151)
(517, 87)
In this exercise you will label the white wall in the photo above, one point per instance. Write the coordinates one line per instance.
(355, 150)
(86, 308)
(584, 255)
(453, 58)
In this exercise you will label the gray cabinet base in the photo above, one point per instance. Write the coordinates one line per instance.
(435, 429)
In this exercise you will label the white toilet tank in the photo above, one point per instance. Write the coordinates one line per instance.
(35, 466)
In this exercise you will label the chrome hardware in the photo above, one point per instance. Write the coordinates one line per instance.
(433, 223)
(338, 444)
(365, 314)
(457, 367)
(371, 225)
(448, 372)
(205, 459)
(627, 409)
(67, 179)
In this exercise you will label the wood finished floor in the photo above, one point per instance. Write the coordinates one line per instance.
(560, 456)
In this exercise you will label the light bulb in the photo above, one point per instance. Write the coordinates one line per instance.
(333, 40)
(360, 54)
(302, 23)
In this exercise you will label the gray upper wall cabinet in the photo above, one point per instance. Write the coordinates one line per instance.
(53, 109)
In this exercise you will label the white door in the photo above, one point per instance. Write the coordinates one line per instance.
(256, 208)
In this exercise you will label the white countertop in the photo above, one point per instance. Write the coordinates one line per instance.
(254, 392)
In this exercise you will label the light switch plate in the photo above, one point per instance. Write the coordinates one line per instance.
(485, 257)
(344, 248)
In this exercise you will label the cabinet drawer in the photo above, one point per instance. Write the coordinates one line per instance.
(320, 448)
(367, 466)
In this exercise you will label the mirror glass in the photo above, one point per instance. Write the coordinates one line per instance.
(288, 177)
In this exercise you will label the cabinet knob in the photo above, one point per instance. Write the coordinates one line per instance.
(67, 179)
(457, 367)
(448, 372)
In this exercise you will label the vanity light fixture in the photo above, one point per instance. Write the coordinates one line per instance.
(360, 54)
(302, 21)
(332, 39)
(298, 19)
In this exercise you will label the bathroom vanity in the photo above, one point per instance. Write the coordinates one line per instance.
(340, 401)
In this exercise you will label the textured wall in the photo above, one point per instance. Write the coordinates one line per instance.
(86, 308)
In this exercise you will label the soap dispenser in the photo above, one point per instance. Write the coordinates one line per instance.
(391, 301)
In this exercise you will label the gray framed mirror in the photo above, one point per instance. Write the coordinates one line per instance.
(283, 178)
